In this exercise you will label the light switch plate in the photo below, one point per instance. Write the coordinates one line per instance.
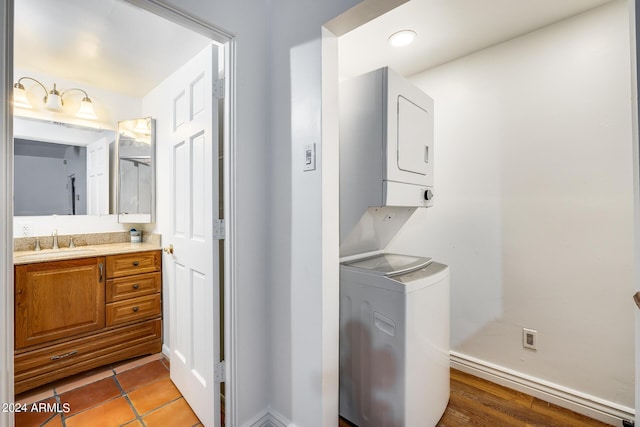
(310, 157)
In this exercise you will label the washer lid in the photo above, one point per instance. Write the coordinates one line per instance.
(388, 264)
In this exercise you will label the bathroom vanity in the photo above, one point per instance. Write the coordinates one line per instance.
(76, 310)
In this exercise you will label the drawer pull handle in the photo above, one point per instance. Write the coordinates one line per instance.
(135, 309)
(62, 356)
(136, 263)
(136, 286)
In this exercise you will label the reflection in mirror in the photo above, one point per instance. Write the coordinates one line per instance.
(136, 170)
(61, 169)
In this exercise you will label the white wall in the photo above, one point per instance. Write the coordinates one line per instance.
(304, 217)
(534, 202)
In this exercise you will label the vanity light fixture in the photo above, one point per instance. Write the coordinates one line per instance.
(53, 100)
(402, 38)
(143, 126)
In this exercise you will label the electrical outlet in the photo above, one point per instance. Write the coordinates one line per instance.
(530, 339)
(26, 229)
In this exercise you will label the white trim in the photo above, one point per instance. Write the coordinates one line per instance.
(186, 19)
(166, 351)
(278, 420)
(330, 213)
(259, 420)
(582, 403)
(262, 419)
(634, 38)
(269, 418)
(231, 233)
(6, 209)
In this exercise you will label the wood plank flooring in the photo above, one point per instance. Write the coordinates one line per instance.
(477, 402)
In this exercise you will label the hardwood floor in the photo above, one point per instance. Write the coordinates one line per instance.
(476, 402)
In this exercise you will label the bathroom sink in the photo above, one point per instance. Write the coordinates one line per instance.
(48, 254)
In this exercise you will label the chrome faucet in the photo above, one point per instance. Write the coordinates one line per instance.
(55, 240)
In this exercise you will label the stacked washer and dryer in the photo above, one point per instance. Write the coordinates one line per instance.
(394, 308)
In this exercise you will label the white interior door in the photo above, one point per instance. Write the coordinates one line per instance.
(193, 266)
(98, 177)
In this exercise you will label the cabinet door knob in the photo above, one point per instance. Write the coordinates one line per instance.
(136, 263)
(135, 309)
(136, 286)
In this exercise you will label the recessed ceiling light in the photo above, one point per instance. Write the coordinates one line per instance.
(402, 38)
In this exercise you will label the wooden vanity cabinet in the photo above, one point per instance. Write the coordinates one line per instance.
(58, 300)
(76, 315)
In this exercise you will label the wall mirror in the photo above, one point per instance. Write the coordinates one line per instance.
(136, 171)
(62, 169)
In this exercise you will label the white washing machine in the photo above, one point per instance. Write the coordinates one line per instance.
(394, 341)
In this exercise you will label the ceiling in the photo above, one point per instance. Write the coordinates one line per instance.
(118, 47)
(101, 43)
(447, 30)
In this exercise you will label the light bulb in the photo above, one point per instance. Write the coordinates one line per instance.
(86, 110)
(402, 38)
(20, 96)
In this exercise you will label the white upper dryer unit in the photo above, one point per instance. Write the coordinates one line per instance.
(386, 145)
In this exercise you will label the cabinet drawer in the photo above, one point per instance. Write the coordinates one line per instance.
(37, 367)
(133, 263)
(133, 309)
(133, 286)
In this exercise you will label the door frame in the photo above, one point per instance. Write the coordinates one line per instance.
(634, 16)
(6, 211)
(193, 23)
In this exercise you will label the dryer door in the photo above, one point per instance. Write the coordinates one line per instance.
(414, 137)
(409, 150)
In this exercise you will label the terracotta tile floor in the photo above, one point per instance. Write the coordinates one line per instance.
(135, 393)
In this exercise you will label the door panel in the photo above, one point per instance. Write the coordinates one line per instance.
(98, 177)
(413, 141)
(198, 191)
(59, 299)
(191, 142)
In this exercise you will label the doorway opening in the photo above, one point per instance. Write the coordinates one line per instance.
(224, 162)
